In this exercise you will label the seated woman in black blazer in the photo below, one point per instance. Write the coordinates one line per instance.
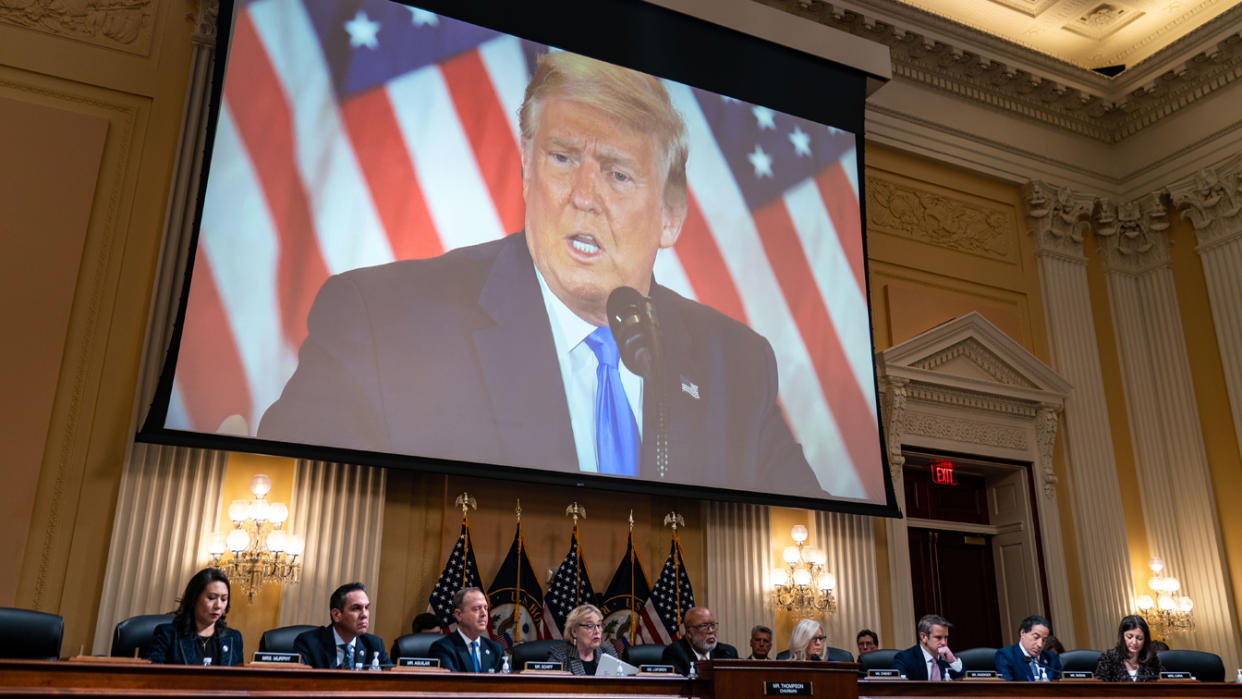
(1133, 659)
(584, 635)
(198, 634)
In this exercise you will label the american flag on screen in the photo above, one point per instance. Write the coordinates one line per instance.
(357, 132)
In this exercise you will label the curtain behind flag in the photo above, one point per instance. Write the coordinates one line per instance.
(624, 599)
(516, 597)
(569, 587)
(460, 571)
(660, 621)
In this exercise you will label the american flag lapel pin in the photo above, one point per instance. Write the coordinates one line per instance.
(689, 388)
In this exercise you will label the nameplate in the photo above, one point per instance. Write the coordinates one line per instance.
(543, 666)
(1077, 675)
(981, 674)
(657, 669)
(787, 689)
(281, 658)
(1176, 676)
(418, 662)
(886, 673)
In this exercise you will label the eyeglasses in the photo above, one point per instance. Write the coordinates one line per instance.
(591, 627)
(819, 638)
(709, 626)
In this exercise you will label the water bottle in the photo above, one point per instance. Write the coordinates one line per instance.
(358, 666)
(504, 665)
(375, 661)
(694, 674)
(1043, 674)
(1240, 675)
(206, 660)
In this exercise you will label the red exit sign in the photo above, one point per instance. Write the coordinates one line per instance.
(942, 473)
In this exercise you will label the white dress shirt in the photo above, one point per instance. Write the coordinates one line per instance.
(955, 666)
(340, 652)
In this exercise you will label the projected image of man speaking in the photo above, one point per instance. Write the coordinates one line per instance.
(501, 353)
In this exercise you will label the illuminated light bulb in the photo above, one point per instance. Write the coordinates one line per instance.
(295, 545)
(1166, 603)
(217, 547)
(1156, 583)
(827, 581)
(238, 540)
(276, 541)
(1185, 604)
(779, 577)
(1172, 585)
(260, 485)
(1156, 564)
(798, 533)
(239, 510)
(279, 513)
(259, 510)
(1145, 603)
(802, 577)
(790, 555)
(818, 557)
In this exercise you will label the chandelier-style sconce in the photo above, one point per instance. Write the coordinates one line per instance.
(803, 586)
(1165, 611)
(258, 551)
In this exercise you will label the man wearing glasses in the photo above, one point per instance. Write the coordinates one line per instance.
(698, 641)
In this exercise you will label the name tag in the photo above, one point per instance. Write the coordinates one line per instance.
(981, 674)
(269, 657)
(418, 662)
(656, 669)
(1176, 676)
(890, 673)
(543, 666)
(787, 689)
(1077, 675)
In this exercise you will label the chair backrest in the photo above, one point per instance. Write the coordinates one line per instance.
(280, 640)
(644, 654)
(30, 635)
(532, 650)
(137, 633)
(1206, 667)
(1080, 660)
(839, 655)
(414, 645)
(881, 659)
(977, 658)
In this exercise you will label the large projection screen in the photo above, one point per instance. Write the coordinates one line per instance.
(387, 269)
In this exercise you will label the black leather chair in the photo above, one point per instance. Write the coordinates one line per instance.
(136, 633)
(414, 645)
(30, 635)
(839, 655)
(644, 654)
(280, 640)
(1080, 660)
(1206, 667)
(881, 659)
(977, 659)
(527, 651)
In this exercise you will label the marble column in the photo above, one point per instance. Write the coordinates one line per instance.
(893, 394)
(1174, 477)
(1058, 218)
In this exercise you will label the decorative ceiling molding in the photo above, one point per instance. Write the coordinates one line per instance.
(969, 64)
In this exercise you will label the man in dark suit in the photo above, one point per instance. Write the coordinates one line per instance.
(344, 643)
(1026, 660)
(469, 649)
(697, 642)
(930, 658)
(501, 352)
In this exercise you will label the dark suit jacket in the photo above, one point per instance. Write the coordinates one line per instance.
(679, 654)
(567, 655)
(318, 648)
(1111, 668)
(1011, 664)
(911, 664)
(176, 649)
(454, 654)
(453, 357)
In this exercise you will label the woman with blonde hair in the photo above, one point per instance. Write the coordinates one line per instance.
(584, 635)
(807, 641)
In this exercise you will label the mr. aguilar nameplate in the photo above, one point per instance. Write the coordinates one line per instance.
(282, 658)
(1077, 675)
(418, 662)
(787, 689)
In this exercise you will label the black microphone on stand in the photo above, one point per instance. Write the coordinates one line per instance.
(636, 330)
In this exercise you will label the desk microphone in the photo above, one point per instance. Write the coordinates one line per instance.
(636, 330)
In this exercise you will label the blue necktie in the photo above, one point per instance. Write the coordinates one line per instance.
(616, 432)
(474, 655)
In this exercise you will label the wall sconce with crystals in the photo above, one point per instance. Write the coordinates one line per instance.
(258, 551)
(1165, 611)
(803, 586)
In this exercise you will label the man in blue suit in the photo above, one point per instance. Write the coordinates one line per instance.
(930, 658)
(344, 643)
(468, 649)
(498, 353)
(1026, 660)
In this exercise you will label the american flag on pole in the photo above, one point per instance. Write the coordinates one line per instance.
(357, 132)
(460, 571)
(660, 620)
(569, 587)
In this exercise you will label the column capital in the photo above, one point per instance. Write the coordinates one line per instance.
(205, 23)
(1133, 236)
(1057, 216)
(1211, 200)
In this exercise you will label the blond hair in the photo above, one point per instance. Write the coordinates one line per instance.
(635, 99)
(801, 638)
(577, 616)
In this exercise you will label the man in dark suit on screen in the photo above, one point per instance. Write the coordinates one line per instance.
(697, 642)
(344, 643)
(930, 658)
(468, 649)
(501, 352)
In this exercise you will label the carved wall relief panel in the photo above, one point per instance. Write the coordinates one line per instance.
(936, 218)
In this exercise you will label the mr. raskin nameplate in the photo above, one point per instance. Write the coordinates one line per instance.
(786, 689)
(1077, 675)
(424, 663)
(281, 658)
(981, 674)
